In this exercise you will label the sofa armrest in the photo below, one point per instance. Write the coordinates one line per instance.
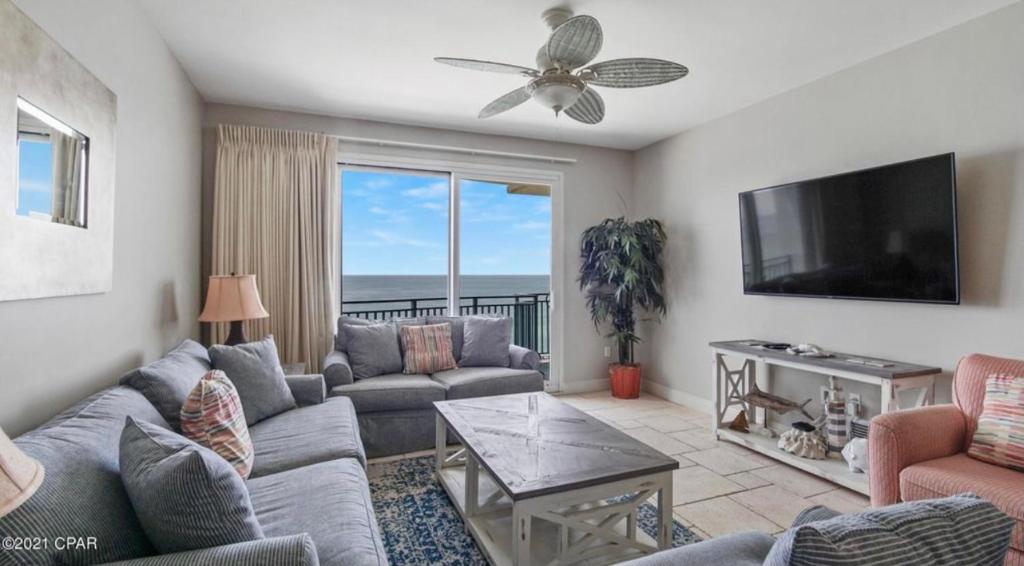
(307, 389)
(523, 358)
(337, 370)
(294, 550)
(736, 549)
(901, 439)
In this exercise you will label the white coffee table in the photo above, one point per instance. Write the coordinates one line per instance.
(557, 487)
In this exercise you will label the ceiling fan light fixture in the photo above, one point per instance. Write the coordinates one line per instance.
(556, 92)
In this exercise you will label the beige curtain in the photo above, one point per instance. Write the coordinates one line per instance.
(276, 215)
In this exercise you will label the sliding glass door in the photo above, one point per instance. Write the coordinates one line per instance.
(421, 243)
(505, 255)
(394, 242)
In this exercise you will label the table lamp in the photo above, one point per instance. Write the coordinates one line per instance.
(20, 475)
(233, 298)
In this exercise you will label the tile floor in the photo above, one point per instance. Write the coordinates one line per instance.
(720, 487)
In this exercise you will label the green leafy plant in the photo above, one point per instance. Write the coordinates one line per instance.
(621, 274)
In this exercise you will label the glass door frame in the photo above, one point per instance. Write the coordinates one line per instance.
(462, 171)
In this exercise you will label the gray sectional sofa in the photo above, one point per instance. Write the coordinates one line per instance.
(395, 411)
(308, 487)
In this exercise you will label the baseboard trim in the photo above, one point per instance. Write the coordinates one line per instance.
(678, 397)
(584, 386)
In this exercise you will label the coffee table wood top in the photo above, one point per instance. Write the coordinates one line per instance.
(573, 450)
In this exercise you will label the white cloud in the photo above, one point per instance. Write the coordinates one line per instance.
(532, 225)
(379, 183)
(436, 206)
(392, 239)
(436, 190)
(33, 186)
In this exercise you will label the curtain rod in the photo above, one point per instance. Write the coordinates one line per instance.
(455, 149)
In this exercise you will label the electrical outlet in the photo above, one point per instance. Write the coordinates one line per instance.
(607, 351)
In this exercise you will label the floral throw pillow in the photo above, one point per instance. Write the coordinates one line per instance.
(427, 348)
(212, 416)
(999, 438)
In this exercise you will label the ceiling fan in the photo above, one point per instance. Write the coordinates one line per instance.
(558, 85)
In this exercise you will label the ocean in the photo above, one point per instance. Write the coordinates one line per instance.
(404, 287)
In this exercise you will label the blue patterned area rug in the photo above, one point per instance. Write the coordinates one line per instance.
(420, 525)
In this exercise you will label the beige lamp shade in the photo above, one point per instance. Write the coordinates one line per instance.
(232, 297)
(20, 475)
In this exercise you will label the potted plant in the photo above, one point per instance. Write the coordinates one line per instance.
(621, 274)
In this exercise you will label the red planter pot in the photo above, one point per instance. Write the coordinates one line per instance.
(625, 379)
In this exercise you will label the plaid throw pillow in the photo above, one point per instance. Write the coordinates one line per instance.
(212, 417)
(999, 439)
(428, 348)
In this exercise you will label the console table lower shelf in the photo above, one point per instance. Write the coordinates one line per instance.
(835, 471)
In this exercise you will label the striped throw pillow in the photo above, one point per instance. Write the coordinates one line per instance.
(212, 416)
(427, 348)
(999, 438)
(955, 531)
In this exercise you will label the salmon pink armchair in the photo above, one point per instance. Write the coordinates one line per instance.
(922, 453)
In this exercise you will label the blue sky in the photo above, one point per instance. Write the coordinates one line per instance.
(397, 224)
(35, 178)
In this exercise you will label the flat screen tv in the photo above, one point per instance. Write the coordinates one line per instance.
(887, 234)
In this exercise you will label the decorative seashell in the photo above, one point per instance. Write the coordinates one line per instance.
(856, 455)
(804, 444)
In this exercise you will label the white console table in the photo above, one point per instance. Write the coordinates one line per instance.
(754, 364)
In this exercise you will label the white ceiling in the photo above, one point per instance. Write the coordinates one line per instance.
(373, 58)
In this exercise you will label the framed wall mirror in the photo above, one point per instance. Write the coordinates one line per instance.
(52, 168)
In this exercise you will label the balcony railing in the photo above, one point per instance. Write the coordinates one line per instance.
(530, 313)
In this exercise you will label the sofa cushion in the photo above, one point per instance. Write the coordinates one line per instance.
(999, 438)
(186, 496)
(427, 348)
(256, 371)
(940, 532)
(463, 383)
(457, 323)
(392, 392)
(212, 417)
(486, 341)
(308, 435)
(373, 350)
(79, 452)
(331, 502)
(167, 381)
(959, 474)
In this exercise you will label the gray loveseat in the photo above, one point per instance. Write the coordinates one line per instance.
(396, 411)
(308, 487)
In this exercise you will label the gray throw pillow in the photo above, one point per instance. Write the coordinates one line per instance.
(486, 341)
(340, 339)
(167, 382)
(186, 496)
(373, 350)
(458, 331)
(255, 370)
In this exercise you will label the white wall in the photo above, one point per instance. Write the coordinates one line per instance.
(595, 188)
(961, 90)
(55, 351)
